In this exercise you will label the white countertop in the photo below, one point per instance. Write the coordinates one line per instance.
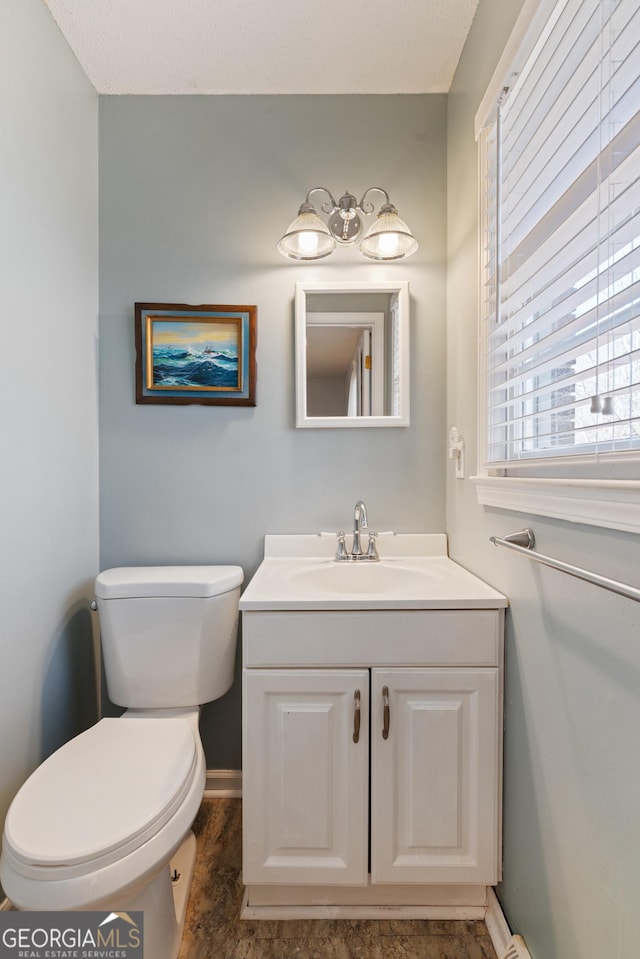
(414, 572)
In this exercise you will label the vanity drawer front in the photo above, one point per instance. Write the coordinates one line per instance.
(459, 637)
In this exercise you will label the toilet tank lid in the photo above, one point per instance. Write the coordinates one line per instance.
(127, 582)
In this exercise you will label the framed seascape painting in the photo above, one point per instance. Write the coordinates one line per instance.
(195, 354)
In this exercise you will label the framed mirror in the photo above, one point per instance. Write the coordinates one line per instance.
(352, 354)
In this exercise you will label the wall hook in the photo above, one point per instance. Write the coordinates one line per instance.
(456, 451)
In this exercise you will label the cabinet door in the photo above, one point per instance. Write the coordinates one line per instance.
(305, 779)
(435, 778)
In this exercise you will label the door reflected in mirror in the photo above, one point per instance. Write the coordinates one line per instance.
(352, 354)
(345, 364)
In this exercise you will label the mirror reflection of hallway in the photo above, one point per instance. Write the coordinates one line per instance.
(345, 364)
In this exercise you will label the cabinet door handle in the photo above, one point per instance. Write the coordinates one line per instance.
(385, 712)
(356, 716)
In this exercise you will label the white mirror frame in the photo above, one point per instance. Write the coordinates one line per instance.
(332, 422)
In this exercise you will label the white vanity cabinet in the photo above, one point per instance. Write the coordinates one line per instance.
(372, 734)
(311, 765)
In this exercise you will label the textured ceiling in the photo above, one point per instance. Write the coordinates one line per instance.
(266, 46)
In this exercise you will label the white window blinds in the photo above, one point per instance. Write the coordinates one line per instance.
(560, 341)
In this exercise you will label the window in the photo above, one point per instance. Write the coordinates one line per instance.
(560, 203)
(561, 332)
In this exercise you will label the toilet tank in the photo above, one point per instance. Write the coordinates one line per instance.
(168, 633)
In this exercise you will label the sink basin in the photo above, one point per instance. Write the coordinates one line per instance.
(363, 577)
(414, 572)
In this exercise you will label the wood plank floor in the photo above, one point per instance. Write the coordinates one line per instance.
(214, 930)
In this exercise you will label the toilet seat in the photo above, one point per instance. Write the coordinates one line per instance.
(101, 796)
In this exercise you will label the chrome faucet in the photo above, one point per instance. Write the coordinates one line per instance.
(360, 523)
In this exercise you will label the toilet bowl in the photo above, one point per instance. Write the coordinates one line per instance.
(105, 822)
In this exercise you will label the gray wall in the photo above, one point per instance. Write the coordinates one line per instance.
(48, 392)
(572, 778)
(194, 194)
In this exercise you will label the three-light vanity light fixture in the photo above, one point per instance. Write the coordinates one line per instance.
(310, 238)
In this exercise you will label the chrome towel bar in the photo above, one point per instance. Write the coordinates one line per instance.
(523, 542)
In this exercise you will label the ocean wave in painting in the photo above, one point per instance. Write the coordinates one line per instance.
(194, 367)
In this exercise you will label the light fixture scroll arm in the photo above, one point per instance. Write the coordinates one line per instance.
(366, 207)
(327, 207)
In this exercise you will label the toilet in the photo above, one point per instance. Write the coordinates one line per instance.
(105, 822)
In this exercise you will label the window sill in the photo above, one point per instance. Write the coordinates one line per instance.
(614, 504)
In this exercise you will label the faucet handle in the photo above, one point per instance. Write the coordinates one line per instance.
(341, 552)
(372, 549)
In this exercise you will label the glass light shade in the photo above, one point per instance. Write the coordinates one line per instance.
(388, 238)
(307, 238)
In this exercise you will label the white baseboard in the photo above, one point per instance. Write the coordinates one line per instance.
(371, 901)
(497, 925)
(223, 784)
(360, 912)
